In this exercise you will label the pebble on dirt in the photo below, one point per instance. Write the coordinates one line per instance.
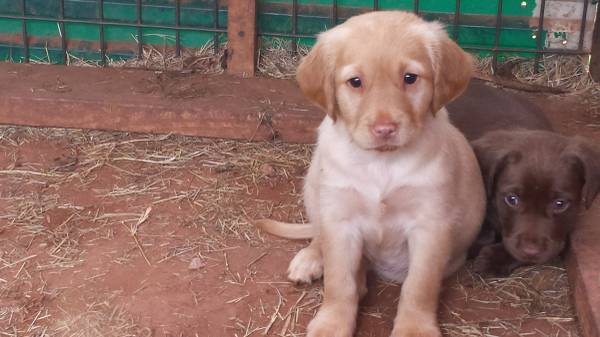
(267, 169)
(196, 264)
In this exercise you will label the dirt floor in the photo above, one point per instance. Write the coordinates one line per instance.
(114, 234)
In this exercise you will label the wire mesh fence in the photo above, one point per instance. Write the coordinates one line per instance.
(52, 31)
(497, 28)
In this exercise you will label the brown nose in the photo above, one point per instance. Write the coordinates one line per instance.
(532, 246)
(384, 130)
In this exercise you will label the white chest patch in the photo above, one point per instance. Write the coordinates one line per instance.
(385, 240)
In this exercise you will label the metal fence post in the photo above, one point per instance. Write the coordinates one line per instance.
(241, 37)
(595, 59)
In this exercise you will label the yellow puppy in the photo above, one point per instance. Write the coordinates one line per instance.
(392, 185)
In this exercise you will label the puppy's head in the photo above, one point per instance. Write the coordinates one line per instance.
(383, 75)
(536, 182)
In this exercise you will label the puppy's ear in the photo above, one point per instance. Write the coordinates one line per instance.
(493, 155)
(453, 69)
(315, 75)
(587, 159)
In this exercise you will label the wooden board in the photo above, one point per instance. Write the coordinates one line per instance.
(145, 101)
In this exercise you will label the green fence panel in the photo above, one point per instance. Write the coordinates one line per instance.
(116, 24)
(476, 27)
(199, 24)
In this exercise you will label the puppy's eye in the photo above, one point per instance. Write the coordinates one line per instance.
(512, 200)
(560, 205)
(410, 78)
(355, 82)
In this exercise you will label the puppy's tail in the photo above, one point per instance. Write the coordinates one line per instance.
(286, 230)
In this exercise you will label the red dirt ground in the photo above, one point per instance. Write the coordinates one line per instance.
(70, 265)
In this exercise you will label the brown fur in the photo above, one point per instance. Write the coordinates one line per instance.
(539, 167)
(519, 154)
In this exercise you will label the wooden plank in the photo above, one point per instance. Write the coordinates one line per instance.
(221, 106)
(595, 61)
(584, 271)
(242, 40)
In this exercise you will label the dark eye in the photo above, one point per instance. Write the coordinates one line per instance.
(512, 200)
(560, 205)
(355, 82)
(410, 78)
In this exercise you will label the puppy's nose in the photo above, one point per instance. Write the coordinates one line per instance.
(384, 130)
(532, 247)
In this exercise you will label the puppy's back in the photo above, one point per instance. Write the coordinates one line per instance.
(483, 108)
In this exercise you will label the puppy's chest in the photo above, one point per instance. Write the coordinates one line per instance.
(384, 203)
(391, 210)
(387, 210)
(385, 230)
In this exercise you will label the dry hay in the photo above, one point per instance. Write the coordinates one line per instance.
(29, 316)
(559, 74)
(282, 316)
(101, 317)
(535, 293)
(153, 165)
(204, 60)
(568, 72)
(226, 169)
(277, 58)
(238, 167)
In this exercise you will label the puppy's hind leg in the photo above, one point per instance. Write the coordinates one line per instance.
(307, 265)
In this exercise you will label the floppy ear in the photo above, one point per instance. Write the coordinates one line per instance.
(315, 75)
(493, 156)
(453, 69)
(587, 159)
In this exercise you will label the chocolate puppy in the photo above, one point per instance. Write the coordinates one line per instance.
(536, 180)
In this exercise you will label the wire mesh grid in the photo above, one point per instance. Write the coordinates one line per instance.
(506, 27)
(496, 28)
(128, 25)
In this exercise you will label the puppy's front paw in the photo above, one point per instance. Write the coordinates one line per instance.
(494, 260)
(416, 329)
(331, 322)
(411, 323)
(419, 331)
(306, 266)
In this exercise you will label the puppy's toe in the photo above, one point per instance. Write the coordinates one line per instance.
(483, 263)
(331, 322)
(416, 329)
(306, 266)
(418, 332)
(493, 260)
